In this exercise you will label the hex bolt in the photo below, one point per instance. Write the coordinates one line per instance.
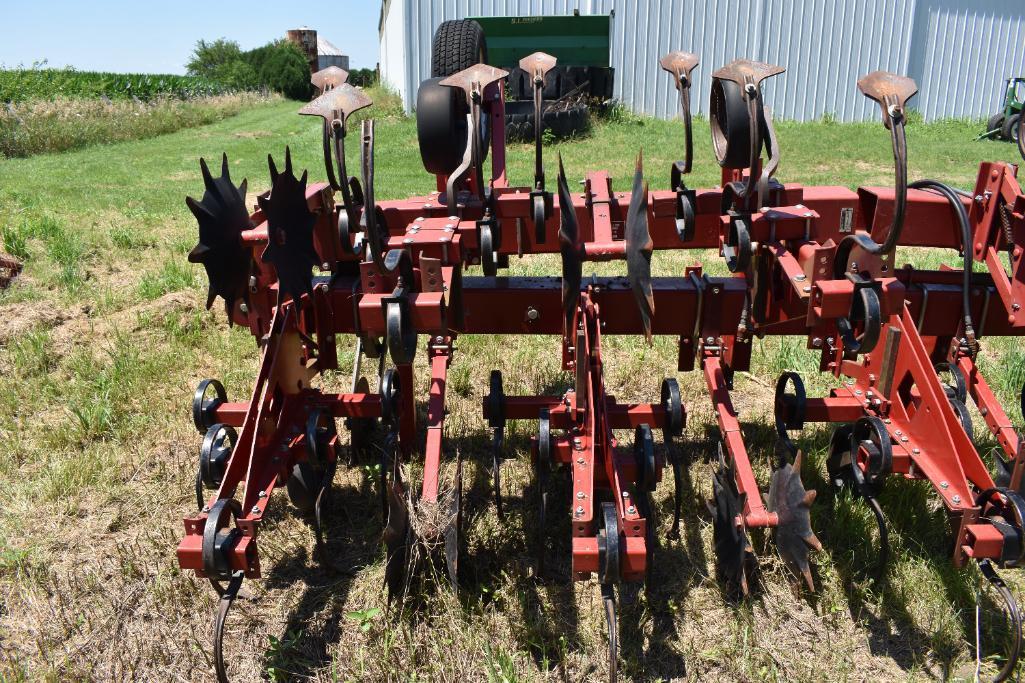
(626, 494)
(325, 266)
(915, 451)
(897, 432)
(817, 342)
(956, 499)
(453, 218)
(581, 495)
(206, 508)
(807, 288)
(261, 494)
(439, 339)
(408, 240)
(709, 340)
(580, 509)
(449, 226)
(580, 461)
(944, 485)
(903, 439)
(577, 443)
(801, 278)
(857, 392)
(631, 510)
(419, 219)
(532, 313)
(255, 510)
(242, 307)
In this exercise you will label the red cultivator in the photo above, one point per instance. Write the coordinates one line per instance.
(815, 262)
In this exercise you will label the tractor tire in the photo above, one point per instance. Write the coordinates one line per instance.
(519, 120)
(458, 44)
(1010, 129)
(996, 122)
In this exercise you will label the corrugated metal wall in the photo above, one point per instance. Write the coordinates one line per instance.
(959, 52)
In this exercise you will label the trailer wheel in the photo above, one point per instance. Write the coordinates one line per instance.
(440, 126)
(458, 44)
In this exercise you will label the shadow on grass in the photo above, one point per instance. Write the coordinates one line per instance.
(350, 544)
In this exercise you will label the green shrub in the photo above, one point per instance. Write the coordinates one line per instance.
(284, 69)
(279, 66)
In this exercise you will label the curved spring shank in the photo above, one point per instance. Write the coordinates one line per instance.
(679, 65)
(892, 93)
(538, 65)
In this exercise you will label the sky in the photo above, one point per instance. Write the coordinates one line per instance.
(158, 37)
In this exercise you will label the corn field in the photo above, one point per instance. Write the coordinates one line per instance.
(23, 84)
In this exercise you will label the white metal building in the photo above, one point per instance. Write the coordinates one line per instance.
(958, 51)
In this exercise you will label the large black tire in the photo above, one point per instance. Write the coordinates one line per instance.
(519, 120)
(562, 81)
(458, 44)
(1011, 127)
(1010, 130)
(995, 122)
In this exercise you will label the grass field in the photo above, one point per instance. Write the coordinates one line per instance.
(104, 336)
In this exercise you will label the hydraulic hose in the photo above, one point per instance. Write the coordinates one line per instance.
(953, 196)
(900, 200)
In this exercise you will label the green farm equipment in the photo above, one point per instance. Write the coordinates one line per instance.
(1004, 124)
(579, 42)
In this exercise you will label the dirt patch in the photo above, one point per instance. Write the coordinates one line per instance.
(24, 316)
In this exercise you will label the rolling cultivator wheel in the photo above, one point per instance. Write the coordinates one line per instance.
(811, 262)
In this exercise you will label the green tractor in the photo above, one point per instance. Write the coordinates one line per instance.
(1004, 124)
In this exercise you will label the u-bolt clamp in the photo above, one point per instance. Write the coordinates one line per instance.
(680, 65)
(538, 65)
(892, 93)
(473, 81)
(339, 101)
(740, 120)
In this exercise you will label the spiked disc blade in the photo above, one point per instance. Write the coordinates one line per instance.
(794, 537)
(638, 249)
(222, 217)
(290, 231)
(569, 246)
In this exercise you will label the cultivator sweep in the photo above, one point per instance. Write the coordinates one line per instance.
(811, 262)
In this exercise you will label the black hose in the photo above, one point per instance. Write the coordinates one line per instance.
(953, 197)
(865, 241)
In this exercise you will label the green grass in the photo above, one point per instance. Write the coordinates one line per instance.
(104, 336)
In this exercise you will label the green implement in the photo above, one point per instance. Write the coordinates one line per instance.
(1004, 124)
(574, 40)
